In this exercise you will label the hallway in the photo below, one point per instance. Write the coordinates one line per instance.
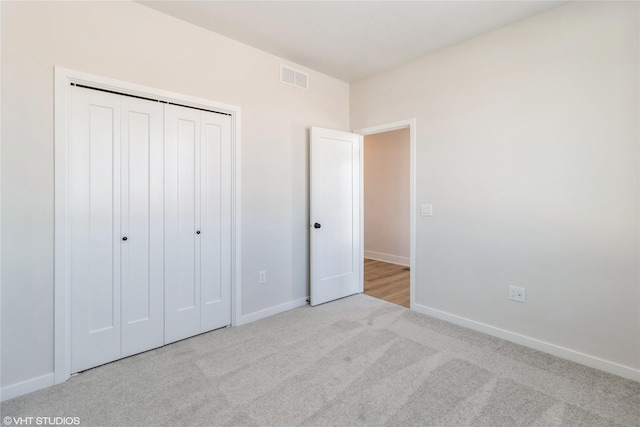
(388, 282)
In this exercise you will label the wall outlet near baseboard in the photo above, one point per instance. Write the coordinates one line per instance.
(516, 294)
(262, 276)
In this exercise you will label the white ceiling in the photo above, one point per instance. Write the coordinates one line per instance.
(351, 40)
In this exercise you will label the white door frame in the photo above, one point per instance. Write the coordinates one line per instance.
(388, 127)
(63, 80)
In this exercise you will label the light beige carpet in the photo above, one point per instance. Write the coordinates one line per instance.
(356, 361)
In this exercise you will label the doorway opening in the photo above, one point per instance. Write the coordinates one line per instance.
(387, 207)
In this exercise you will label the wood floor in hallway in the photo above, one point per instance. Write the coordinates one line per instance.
(385, 281)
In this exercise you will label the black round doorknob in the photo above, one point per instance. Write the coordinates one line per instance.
(124, 238)
(198, 232)
(316, 225)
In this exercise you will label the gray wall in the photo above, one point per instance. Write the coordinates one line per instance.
(130, 42)
(527, 146)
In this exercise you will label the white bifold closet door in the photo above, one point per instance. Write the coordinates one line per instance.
(116, 227)
(198, 221)
(150, 224)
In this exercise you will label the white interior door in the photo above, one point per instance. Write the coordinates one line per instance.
(142, 222)
(116, 200)
(95, 240)
(198, 222)
(149, 224)
(336, 239)
(182, 220)
(215, 221)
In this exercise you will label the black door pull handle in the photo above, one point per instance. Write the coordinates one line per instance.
(316, 225)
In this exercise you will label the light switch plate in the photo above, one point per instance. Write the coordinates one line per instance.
(517, 294)
(426, 209)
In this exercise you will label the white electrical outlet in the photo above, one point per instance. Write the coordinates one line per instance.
(262, 276)
(516, 293)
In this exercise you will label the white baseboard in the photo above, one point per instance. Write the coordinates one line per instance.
(28, 386)
(545, 347)
(252, 317)
(393, 259)
(633, 374)
(48, 380)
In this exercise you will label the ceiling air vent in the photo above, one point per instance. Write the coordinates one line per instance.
(293, 77)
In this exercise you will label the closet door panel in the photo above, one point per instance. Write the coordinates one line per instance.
(182, 291)
(188, 292)
(150, 224)
(94, 177)
(215, 160)
(143, 225)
